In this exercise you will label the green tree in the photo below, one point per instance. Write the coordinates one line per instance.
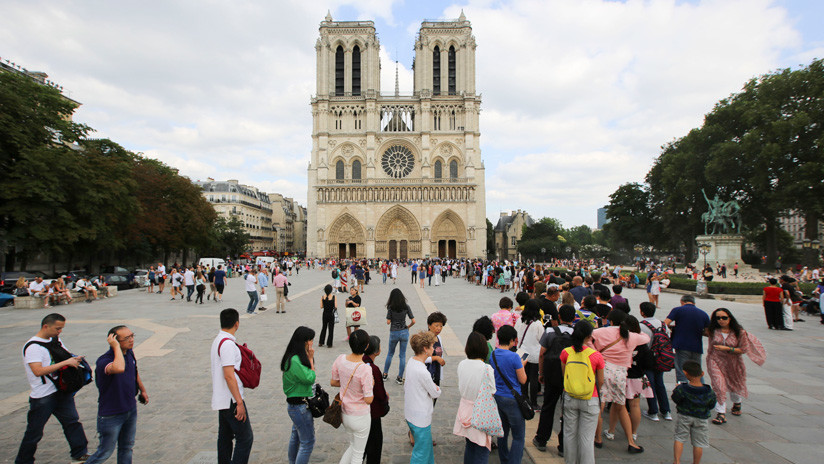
(490, 239)
(543, 239)
(630, 219)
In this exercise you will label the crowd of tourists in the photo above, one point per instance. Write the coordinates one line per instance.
(569, 340)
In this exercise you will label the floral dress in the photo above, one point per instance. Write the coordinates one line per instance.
(727, 370)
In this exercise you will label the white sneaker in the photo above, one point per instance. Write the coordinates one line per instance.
(652, 417)
(668, 416)
(609, 436)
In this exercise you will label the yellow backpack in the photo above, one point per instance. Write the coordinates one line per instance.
(579, 377)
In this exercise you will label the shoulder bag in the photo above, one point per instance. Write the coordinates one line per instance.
(485, 415)
(523, 402)
(334, 414)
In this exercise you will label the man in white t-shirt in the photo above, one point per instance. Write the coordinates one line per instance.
(87, 288)
(227, 394)
(45, 400)
(189, 282)
(251, 290)
(39, 289)
(161, 277)
(659, 403)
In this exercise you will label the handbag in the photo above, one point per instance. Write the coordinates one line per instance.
(523, 403)
(337, 318)
(264, 297)
(355, 316)
(319, 402)
(485, 415)
(334, 414)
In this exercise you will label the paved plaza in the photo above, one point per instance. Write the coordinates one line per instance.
(781, 422)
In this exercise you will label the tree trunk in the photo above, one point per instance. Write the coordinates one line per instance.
(185, 258)
(771, 237)
(811, 228)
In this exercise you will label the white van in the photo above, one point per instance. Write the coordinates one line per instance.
(264, 260)
(212, 262)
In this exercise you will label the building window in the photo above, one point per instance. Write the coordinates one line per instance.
(356, 71)
(513, 241)
(438, 169)
(436, 71)
(356, 170)
(339, 170)
(339, 71)
(453, 169)
(452, 73)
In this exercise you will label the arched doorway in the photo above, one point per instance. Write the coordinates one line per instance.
(448, 238)
(347, 238)
(398, 234)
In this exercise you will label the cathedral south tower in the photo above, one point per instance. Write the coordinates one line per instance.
(396, 175)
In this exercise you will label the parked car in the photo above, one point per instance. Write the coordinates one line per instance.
(117, 270)
(9, 279)
(120, 281)
(141, 277)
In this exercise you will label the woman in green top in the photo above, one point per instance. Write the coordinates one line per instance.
(298, 366)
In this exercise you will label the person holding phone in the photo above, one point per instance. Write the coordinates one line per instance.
(530, 329)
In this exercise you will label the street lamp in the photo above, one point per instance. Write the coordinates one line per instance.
(704, 249)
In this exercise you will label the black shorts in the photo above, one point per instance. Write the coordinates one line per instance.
(219, 288)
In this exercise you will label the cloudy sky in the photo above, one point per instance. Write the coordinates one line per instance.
(578, 95)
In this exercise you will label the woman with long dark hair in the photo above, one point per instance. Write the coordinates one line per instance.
(637, 384)
(616, 344)
(530, 329)
(397, 311)
(725, 365)
(581, 414)
(298, 367)
(328, 303)
(356, 394)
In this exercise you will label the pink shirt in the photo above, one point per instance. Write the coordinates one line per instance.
(360, 387)
(279, 281)
(620, 353)
(502, 318)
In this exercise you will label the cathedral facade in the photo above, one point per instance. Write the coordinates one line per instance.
(396, 175)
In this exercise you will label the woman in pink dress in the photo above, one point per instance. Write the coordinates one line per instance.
(728, 341)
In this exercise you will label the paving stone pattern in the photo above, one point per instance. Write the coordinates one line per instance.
(781, 420)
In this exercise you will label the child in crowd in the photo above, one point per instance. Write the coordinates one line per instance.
(694, 402)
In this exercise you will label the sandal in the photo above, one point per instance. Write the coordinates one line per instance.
(720, 418)
(736, 409)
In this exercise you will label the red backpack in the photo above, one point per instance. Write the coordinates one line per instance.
(250, 368)
(661, 348)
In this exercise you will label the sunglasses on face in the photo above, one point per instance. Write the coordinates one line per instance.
(722, 318)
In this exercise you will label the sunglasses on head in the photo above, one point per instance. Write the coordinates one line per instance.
(722, 318)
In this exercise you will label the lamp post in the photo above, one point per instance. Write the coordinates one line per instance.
(704, 249)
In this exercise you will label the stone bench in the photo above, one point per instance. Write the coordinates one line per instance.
(29, 302)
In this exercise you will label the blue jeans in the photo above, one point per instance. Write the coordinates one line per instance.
(40, 410)
(253, 301)
(230, 429)
(682, 356)
(659, 402)
(384, 277)
(475, 454)
(423, 452)
(512, 420)
(190, 290)
(119, 430)
(395, 337)
(303, 434)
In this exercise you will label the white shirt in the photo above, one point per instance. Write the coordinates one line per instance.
(418, 392)
(161, 270)
(251, 280)
(229, 356)
(81, 283)
(188, 277)
(35, 287)
(38, 353)
(471, 373)
(531, 339)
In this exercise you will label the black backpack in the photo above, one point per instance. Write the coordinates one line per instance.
(552, 358)
(334, 273)
(67, 379)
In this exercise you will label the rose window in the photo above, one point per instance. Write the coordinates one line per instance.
(398, 161)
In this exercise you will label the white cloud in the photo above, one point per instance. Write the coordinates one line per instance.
(578, 95)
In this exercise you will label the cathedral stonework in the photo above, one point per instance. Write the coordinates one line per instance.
(396, 175)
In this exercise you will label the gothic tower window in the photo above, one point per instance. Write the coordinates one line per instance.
(436, 71)
(356, 170)
(452, 73)
(339, 170)
(339, 71)
(438, 170)
(356, 71)
(453, 169)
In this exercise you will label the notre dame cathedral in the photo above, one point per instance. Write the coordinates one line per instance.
(396, 175)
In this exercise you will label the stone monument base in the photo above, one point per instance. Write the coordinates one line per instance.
(725, 249)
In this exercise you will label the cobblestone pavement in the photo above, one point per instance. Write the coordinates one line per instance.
(781, 420)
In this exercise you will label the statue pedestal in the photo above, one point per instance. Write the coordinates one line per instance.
(725, 249)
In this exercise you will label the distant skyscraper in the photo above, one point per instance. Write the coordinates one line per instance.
(602, 217)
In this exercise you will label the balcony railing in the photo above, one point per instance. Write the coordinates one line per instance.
(390, 181)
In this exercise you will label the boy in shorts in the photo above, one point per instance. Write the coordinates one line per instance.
(694, 402)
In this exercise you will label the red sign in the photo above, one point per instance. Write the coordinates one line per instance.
(356, 316)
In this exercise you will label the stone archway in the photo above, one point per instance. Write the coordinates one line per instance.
(347, 238)
(398, 234)
(448, 237)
